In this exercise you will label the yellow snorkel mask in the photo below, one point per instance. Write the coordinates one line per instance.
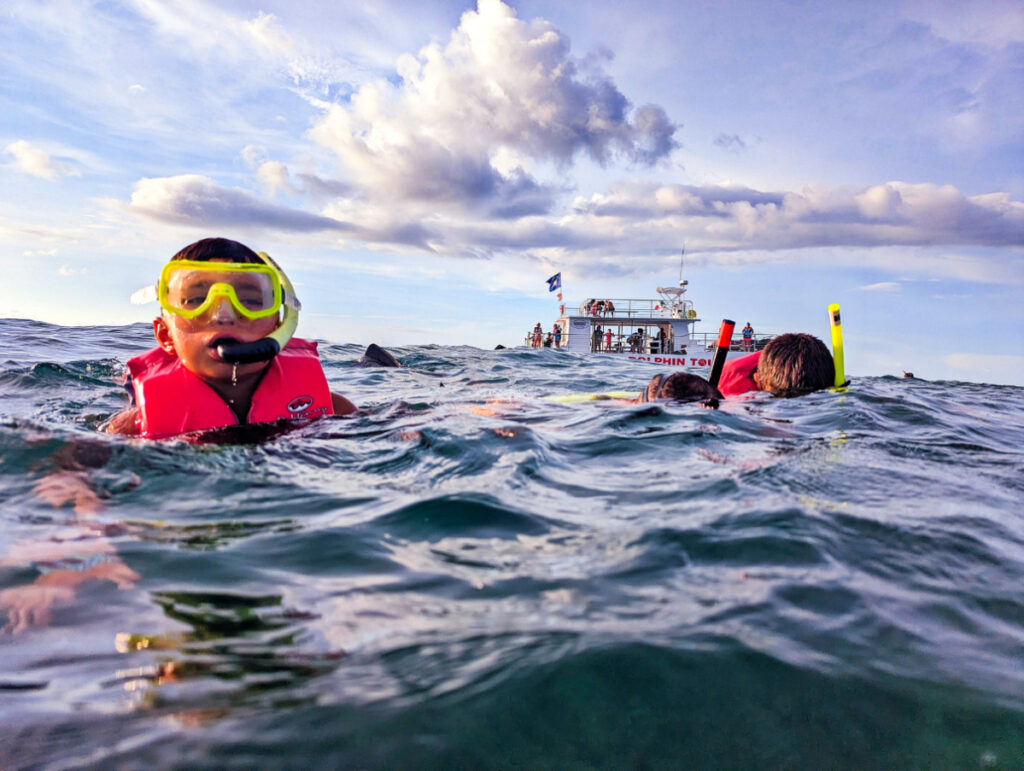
(190, 288)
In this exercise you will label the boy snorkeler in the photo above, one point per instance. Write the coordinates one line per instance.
(790, 365)
(674, 386)
(680, 387)
(225, 353)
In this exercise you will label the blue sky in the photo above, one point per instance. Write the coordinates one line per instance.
(420, 170)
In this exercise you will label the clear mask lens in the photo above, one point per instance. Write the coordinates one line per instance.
(190, 289)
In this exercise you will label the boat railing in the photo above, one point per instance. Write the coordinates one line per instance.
(631, 308)
(706, 341)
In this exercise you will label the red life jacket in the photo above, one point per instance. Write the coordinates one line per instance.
(173, 400)
(738, 375)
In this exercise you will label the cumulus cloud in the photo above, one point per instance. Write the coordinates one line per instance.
(730, 219)
(197, 201)
(191, 199)
(32, 160)
(466, 149)
(500, 88)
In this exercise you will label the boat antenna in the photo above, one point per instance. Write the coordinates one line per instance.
(681, 256)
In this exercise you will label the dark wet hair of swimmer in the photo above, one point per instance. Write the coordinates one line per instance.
(208, 249)
(681, 387)
(795, 363)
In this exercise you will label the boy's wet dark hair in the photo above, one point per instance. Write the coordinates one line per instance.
(795, 363)
(683, 387)
(218, 249)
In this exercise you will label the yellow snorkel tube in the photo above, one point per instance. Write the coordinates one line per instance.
(267, 348)
(837, 344)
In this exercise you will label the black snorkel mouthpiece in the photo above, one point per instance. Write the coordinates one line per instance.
(246, 353)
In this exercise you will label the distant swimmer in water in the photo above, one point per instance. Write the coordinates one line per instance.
(789, 365)
(225, 353)
(375, 356)
(907, 374)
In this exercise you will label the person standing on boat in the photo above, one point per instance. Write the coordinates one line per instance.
(538, 333)
(608, 339)
(557, 334)
(595, 342)
(748, 337)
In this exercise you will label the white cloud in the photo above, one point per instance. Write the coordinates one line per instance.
(881, 286)
(500, 88)
(191, 199)
(988, 368)
(274, 176)
(254, 155)
(37, 162)
(728, 218)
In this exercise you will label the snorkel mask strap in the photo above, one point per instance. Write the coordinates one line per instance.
(267, 348)
(657, 388)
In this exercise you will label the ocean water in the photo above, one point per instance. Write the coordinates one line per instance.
(469, 576)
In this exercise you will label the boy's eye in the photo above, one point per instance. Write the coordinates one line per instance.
(252, 301)
(193, 300)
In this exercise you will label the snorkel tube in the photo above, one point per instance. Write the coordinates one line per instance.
(267, 348)
(837, 344)
(721, 350)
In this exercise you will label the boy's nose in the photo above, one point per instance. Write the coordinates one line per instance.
(223, 310)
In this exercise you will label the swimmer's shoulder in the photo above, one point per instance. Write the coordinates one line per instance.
(341, 405)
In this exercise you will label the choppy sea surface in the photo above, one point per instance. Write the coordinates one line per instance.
(466, 575)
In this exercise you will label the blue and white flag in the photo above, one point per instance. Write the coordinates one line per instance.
(555, 282)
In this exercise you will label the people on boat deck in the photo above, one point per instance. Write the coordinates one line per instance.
(557, 334)
(595, 341)
(538, 333)
(789, 365)
(609, 308)
(549, 340)
(608, 340)
(224, 355)
(662, 340)
(748, 337)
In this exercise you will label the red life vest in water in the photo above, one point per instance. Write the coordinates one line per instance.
(738, 375)
(173, 400)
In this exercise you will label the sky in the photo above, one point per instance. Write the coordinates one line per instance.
(420, 169)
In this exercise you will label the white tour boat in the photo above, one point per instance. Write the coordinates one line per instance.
(660, 331)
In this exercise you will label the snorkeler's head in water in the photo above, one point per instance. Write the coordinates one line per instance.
(680, 387)
(795, 363)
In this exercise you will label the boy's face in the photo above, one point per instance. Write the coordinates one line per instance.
(195, 341)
